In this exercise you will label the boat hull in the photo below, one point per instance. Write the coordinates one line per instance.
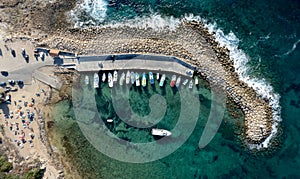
(160, 132)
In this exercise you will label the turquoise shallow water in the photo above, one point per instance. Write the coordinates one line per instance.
(268, 32)
(222, 156)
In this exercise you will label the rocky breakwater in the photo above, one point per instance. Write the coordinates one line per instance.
(190, 42)
(257, 111)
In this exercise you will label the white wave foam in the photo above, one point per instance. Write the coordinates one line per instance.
(154, 21)
(261, 86)
(96, 9)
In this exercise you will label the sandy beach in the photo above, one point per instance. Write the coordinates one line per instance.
(22, 119)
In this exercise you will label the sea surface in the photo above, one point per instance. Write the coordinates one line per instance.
(263, 38)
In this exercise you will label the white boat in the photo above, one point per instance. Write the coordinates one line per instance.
(110, 120)
(144, 81)
(173, 81)
(132, 77)
(157, 76)
(196, 80)
(96, 80)
(185, 81)
(122, 78)
(115, 76)
(137, 79)
(162, 80)
(103, 77)
(191, 84)
(110, 80)
(151, 78)
(127, 77)
(87, 80)
(160, 132)
(178, 81)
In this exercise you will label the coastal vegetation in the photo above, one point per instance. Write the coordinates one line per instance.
(7, 171)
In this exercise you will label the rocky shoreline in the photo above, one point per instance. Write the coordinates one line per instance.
(190, 42)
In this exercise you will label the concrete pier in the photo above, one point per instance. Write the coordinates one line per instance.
(131, 62)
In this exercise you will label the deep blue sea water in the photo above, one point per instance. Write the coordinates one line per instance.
(268, 33)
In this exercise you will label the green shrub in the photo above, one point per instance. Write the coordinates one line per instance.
(6, 167)
(35, 174)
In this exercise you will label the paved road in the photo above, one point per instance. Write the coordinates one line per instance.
(17, 67)
(133, 61)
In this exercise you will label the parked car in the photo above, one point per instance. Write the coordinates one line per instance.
(13, 53)
(23, 52)
(20, 82)
(4, 73)
(2, 84)
(26, 58)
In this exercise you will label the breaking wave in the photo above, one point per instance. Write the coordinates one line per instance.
(89, 13)
(230, 41)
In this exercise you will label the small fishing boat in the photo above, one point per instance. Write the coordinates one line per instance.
(87, 80)
(185, 82)
(96, 80)
(191, 84)
(151, 78)
(144, 80)
(115, 76)
(110, 120)
(157, 76)
(137, 79)
(103, 77)
(162, 80)
(122, 79)
(196, 80)
(132, 76)
(173, 81)
(178, 81)
(127, 77)
(110, 80)
(160, 132)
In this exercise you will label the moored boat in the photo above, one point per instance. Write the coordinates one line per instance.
(160, 132)
(110, 80)
(185, 82)
(178, 81)
(151, 78)
(196, 80)
(103, 77)
(110, 120)
(162, 80)
(115, 76)
(127, 77)
(191, 84)
(173, 81)
(157, 76)
(87, 80)
(122, 79)
(96, 80)
(144, 80)
(132, 76)
(137, 79)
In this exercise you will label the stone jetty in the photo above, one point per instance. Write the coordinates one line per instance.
(190, 42)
